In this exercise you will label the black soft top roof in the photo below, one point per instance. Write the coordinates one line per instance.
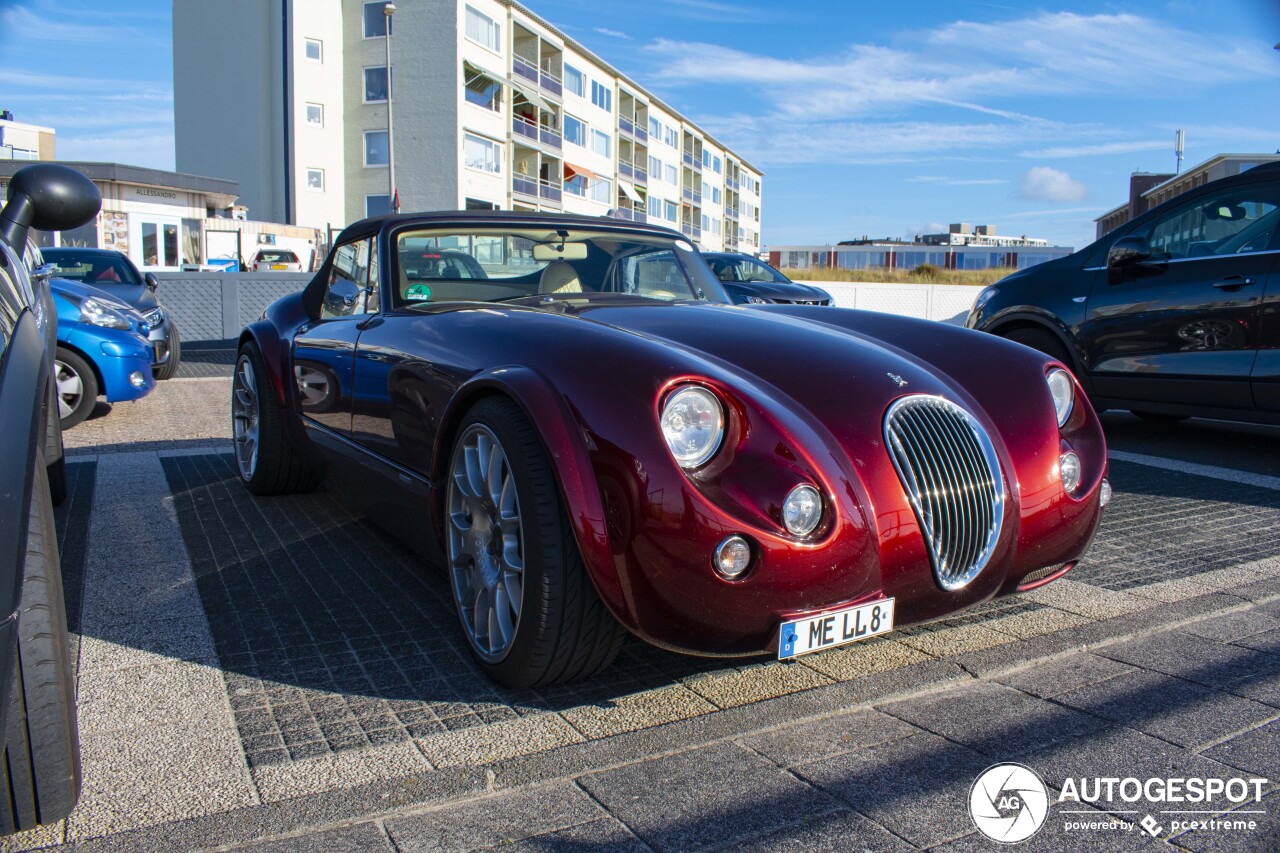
(504, 218)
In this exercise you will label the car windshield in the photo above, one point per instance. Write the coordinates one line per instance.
(744, 268)
(92, 268)
(277, 256)
(493, 265)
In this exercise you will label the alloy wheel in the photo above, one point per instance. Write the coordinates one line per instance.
(244, 417)
(485, 542)
(70, 389)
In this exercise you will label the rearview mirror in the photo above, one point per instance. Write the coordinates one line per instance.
(559, 252)
(1229, 211)
(1128, 251)
(153, 283)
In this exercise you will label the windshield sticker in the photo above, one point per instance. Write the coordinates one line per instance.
(418, 293)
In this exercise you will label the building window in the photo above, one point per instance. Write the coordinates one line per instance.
(575, 130)
(600, 142)
(315, 115)
(655, 207)
(655, 128)
(716, 165)
(481, 204)
(601, 96)
(377, 205)
(484, 30)
(482, 90)
(376, 150)
(655, 168)
(715, 227)
(706, 222)
(315, 179)
(574, 80)
(672, 177)
(576, 185)
(602, 190)
(672, 136)
(375, 84)
(715, 195)
(376, 21)
(313, 49)
(480, 153)
(671, 211)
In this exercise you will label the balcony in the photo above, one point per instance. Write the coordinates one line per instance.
(688, 194)
(549, 82)
(697, 199)
(625, 125)
(549, 191)
(697, 233)
(697, 164)
(731, 212)
(730, 184)
(688, 159)
(625, 169)
(550, 136)
(524, 127)
(641, 175)
(687, 229)
(524, 185)
(526, 68)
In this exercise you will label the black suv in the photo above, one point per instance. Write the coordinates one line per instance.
(37, 689)
(1174, 314)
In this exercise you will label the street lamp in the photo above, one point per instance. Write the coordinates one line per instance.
(393, 198)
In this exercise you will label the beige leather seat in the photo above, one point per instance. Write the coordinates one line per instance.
(559, 277)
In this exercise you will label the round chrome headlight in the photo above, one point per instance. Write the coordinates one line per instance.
(802, 510)
(1069, 466)
(693, 425)
(1063, 390)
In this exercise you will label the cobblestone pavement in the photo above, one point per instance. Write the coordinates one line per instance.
(278, 673)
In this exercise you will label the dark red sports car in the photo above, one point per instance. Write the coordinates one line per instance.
(571, 417)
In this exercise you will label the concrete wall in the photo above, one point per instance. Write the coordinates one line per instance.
(213, 307)
(947, 303)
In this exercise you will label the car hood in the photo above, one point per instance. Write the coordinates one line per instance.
(790, 291)
(138, 296)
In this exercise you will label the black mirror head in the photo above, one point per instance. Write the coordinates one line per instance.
(1128, 251)
(49, 197)
(152, 282)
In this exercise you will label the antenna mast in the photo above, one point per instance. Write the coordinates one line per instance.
(1178, 139)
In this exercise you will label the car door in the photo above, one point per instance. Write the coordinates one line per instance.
(1182, 325)
(324, 349)
(1266, 367)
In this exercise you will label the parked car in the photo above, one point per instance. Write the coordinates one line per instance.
(593, 439)
(1167, 315)
(276, 260)
(102, 350)
(747, 279)
(114, 273)
(41, 781)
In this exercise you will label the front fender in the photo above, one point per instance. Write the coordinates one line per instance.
(566, 442)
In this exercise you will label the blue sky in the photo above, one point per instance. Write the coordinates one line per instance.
(885, 119)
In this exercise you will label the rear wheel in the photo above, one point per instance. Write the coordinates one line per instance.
(41, 748)
(170, 368)
(527, 607)
(77, 388)
(1039, 339)
(268, 461)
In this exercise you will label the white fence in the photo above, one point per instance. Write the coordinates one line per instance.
(948, 303)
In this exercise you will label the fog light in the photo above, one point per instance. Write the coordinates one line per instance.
(802, 510)
(1069, 466)
(1104, 493)
(732, 557)
(137, 380)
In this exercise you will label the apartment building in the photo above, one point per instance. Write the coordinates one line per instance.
(493, 108)
(21, 141)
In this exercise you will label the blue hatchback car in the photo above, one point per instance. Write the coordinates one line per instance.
(102, 350)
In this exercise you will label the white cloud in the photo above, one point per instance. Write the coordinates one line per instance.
(1044, 183)
(53, 27)
(612, 33)
(1064, 151)
(956, 182)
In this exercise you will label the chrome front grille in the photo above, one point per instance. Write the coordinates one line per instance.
(951, 475)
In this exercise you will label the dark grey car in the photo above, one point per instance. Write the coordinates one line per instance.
(749, 280)
(116, 274)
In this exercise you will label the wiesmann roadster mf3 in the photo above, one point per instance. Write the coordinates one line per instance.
(570, 417)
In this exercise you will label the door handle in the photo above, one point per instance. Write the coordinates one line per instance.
(1233, 282)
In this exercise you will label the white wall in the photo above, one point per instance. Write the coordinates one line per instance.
(947, 303)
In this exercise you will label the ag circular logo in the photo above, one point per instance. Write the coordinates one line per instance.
(1008, 803)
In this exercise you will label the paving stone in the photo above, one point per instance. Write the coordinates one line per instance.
(804, 742)
(1055, 677)
(604, 834)
(361, 838)
(711, 795)
(1206, 662)
(992, 719)
(1256, 751)
(831, 832)
(954, 641)
(1173, 590)
(493, 820)
(1264, 838)
(1045, 620)
(916, 787)
(1085, 600)
(1234, 626)
(499, 741)
(637, 711)
(1181, 712)
(738, 687)
(861, 659)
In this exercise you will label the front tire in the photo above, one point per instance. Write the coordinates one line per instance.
(526, 605)
(42, 744)
(77, 388)
(268, 461)
(170, 368)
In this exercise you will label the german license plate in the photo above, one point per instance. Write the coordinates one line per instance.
(828, 630)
